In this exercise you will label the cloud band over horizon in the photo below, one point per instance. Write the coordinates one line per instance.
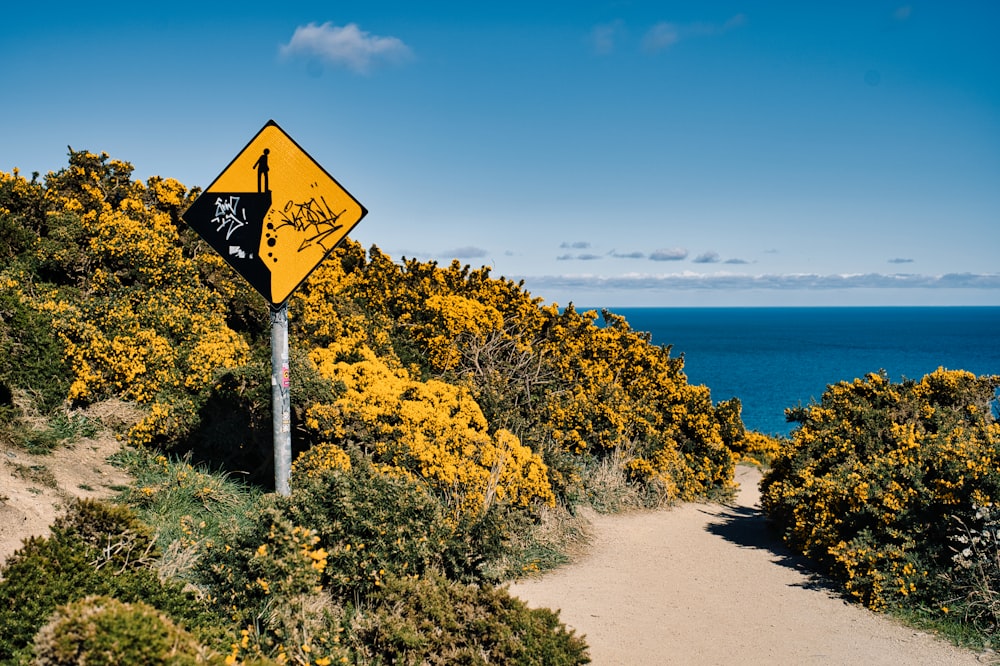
(769, 281)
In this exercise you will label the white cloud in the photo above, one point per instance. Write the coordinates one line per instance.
(707, 258)
(669, 254)
(576, 245)
(663, 35)
(604, 38)
(346, 46)
(468, 252)
(660, 36)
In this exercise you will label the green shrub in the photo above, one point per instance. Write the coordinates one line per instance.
(89, 546)
(269, 558)
(431, 620)
(372, 524)
(267, 579)
(101, 631)
(359, 525)
(94, 549)
(300, 629)
(31, 354)
(43, 574)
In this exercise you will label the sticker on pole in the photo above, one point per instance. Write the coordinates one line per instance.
(274, 214)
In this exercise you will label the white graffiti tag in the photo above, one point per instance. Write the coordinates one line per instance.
(226, 214)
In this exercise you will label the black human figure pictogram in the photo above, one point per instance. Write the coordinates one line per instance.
(261, 166)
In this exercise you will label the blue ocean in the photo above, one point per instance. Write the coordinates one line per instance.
(775, 358)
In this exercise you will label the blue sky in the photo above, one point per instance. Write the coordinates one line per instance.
(608, 153)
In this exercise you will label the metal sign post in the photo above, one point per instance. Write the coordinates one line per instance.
(281, 400)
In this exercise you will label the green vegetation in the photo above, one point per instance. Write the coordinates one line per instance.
(445, 426)
(433, 620)
(94, 549)
(103, 630)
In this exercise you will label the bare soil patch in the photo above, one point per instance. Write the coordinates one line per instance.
(35, 488)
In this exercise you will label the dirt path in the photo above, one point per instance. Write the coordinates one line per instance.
(706, 584)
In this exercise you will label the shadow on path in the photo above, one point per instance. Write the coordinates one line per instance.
(748, 528)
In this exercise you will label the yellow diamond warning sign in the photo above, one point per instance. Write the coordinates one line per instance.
(274, 214)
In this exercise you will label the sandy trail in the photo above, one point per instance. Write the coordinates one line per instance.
(707, 584)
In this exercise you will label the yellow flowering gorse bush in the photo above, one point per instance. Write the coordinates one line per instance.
(146, 330)
(431, 429)
(448, 319)
(623, 392)
(872, 477)
(563, 384)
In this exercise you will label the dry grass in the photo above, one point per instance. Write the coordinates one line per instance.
(115, 414)
(39, 474)
(608, 487)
